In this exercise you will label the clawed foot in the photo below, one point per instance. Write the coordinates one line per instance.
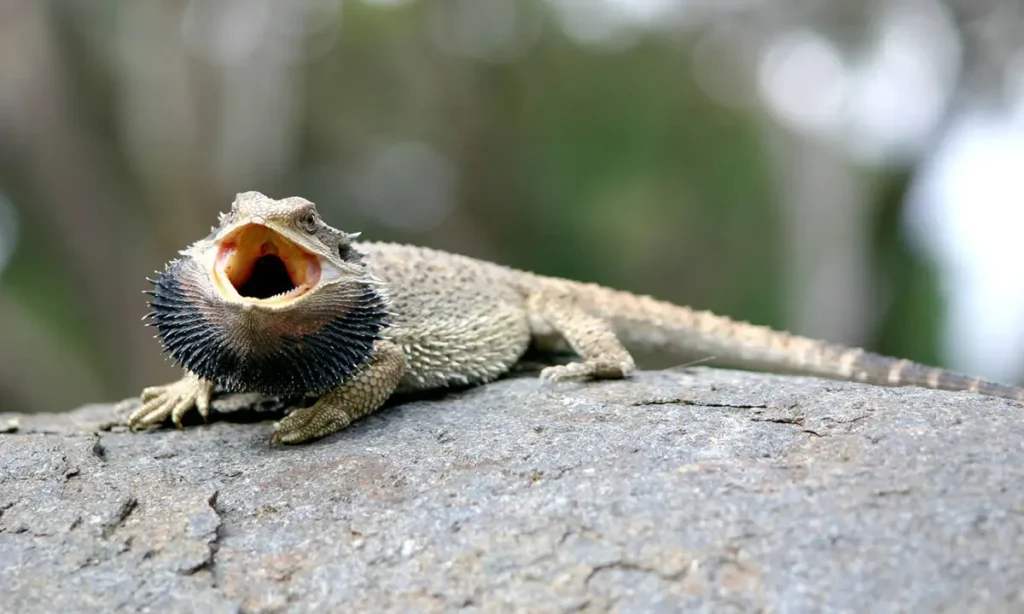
(587, 369)
(310, 423)
(174, 400)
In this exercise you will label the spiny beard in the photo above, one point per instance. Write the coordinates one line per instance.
(310, 350)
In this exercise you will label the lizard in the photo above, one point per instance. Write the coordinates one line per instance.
(276, 301)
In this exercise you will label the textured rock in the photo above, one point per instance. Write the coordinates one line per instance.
(693, 489)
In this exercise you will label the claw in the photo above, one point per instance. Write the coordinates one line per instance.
(203, 406)
(178, 409)
(290, 426)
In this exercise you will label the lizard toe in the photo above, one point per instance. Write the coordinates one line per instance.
(152, 411)
(203, 405)
(173, 400)
(152, 392)
(308, 423)
(180, 406)
(558, 373)
(588, 369)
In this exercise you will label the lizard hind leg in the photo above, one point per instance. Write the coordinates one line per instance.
(602, 354)
(361, 394)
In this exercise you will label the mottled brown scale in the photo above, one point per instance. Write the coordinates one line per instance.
(453, 320)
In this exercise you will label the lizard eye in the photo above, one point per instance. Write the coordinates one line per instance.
(309, 222)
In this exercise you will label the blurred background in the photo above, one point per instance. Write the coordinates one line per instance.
(847, 170)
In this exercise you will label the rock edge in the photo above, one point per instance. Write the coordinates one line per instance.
(681, 490)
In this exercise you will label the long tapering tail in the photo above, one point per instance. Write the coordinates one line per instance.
(642, 321)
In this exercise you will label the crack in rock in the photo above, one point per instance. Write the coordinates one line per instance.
(796, 420)
(689, 402)
(853, 420)
(623, 565)
(121, 514)
(728, 405)
(213, 545)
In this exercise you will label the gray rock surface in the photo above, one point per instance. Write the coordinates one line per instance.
(687, 490)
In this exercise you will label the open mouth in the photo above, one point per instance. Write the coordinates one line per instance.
(259, 265)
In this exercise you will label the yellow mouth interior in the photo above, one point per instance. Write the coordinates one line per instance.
(259, 265)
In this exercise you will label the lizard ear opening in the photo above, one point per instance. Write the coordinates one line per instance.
(345, 249)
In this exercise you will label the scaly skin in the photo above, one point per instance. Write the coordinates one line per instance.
(409, 318)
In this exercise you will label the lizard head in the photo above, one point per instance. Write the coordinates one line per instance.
(273, 300)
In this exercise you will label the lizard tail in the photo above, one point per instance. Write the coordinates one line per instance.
(645, 322)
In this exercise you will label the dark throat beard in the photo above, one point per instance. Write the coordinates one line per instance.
(307, 350)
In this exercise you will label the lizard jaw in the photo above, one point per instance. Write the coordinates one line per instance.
(254, 265)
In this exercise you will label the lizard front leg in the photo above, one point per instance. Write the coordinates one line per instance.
(174, 400)
(603, 355)
(363, 394)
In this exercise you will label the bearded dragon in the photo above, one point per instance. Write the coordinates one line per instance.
(278, 302)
